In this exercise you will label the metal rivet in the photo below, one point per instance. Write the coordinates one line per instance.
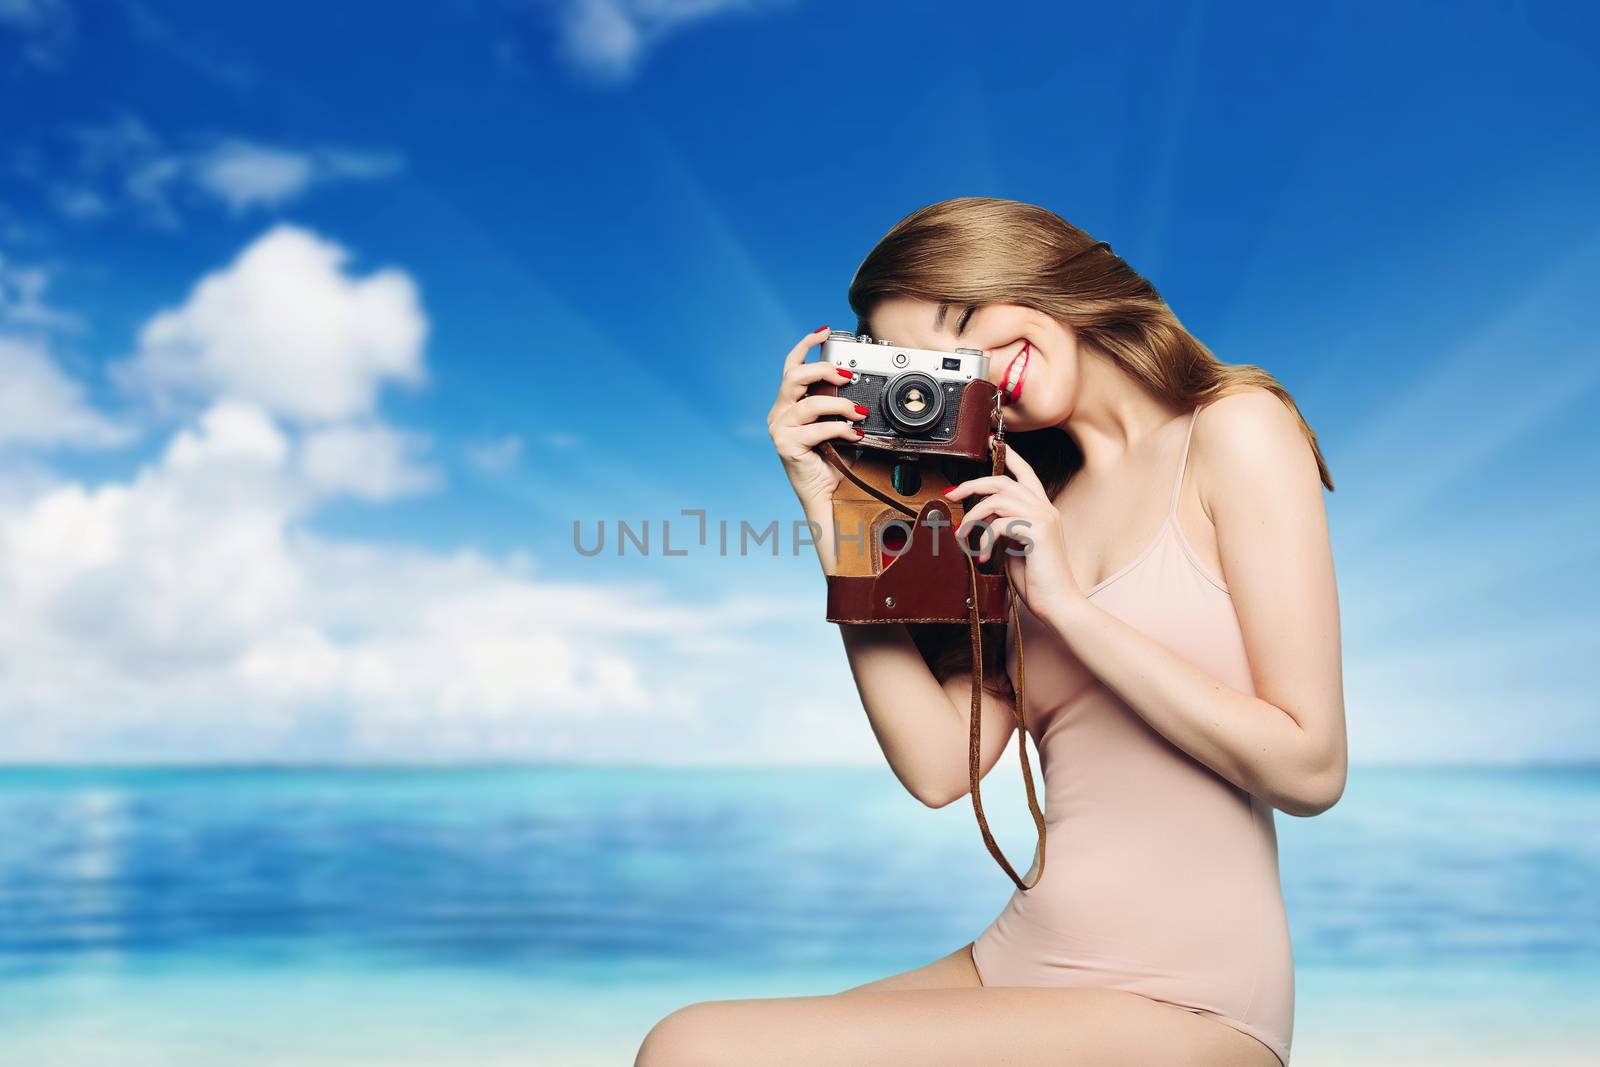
(969, 602)
(888, 601)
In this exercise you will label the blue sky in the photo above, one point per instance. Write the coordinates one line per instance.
(320, 324)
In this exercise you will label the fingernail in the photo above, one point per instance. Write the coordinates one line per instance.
(860, 432)
(862, 408)
(846, 373)
(950, 490)
(819, 329)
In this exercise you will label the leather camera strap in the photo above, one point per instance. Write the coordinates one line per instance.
(974, 746)
(831, 454)
(1018, 707)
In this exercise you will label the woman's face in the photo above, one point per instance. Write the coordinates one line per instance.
(1033, 359)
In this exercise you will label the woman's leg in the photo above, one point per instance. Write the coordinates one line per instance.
(955, 971)
(1018, 1026)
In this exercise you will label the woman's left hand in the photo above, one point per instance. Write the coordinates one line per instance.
(1018, 508)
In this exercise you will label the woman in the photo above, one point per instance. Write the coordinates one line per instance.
(1183, 670)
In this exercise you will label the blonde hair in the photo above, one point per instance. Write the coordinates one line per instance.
(976, 250)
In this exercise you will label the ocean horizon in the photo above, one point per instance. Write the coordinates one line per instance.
(550, 913)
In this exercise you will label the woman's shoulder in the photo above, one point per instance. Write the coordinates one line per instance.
(1249, 434)
(1247, 412)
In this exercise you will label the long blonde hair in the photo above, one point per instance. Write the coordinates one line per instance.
(976, 250)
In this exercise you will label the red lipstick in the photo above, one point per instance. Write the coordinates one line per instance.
(1015, 390)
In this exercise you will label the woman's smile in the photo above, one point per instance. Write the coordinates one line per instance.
(1011, 383)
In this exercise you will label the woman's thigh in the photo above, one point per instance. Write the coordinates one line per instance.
(955, 971)
(1018, 1026)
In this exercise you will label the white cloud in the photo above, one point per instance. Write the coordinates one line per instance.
(22, 304)
(79, 204)
(148, 183)
(229, 432)
(499, 454)
(39, 405)
(162, 573)
(125, 162)
(244, 175)
(371, 461)
(606, 40)
(190, 610)
(284, 326)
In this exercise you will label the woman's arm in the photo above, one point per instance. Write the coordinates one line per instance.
(922, 726)
(1258, 481)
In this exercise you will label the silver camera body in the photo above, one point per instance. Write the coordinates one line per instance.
(909, 392)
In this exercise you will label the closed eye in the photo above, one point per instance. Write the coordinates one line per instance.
(961, 323)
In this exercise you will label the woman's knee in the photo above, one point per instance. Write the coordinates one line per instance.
(689, 1037)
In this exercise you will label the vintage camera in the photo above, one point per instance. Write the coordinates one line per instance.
(912, 393)
(933, 421)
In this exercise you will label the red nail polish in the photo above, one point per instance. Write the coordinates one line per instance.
(860, 432)
(862, 408)
(846, 373)
(950, 490)
(819, 329)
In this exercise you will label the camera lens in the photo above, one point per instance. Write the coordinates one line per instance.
(913, 401)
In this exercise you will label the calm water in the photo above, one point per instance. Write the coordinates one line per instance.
(551, 915)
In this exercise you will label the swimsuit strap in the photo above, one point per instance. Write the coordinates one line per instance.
(1183, 461)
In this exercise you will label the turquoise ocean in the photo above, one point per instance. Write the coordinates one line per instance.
(551, 914)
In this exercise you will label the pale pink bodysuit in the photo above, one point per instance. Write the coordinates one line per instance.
(1161, 876)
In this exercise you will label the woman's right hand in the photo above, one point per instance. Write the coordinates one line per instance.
(795, 429)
